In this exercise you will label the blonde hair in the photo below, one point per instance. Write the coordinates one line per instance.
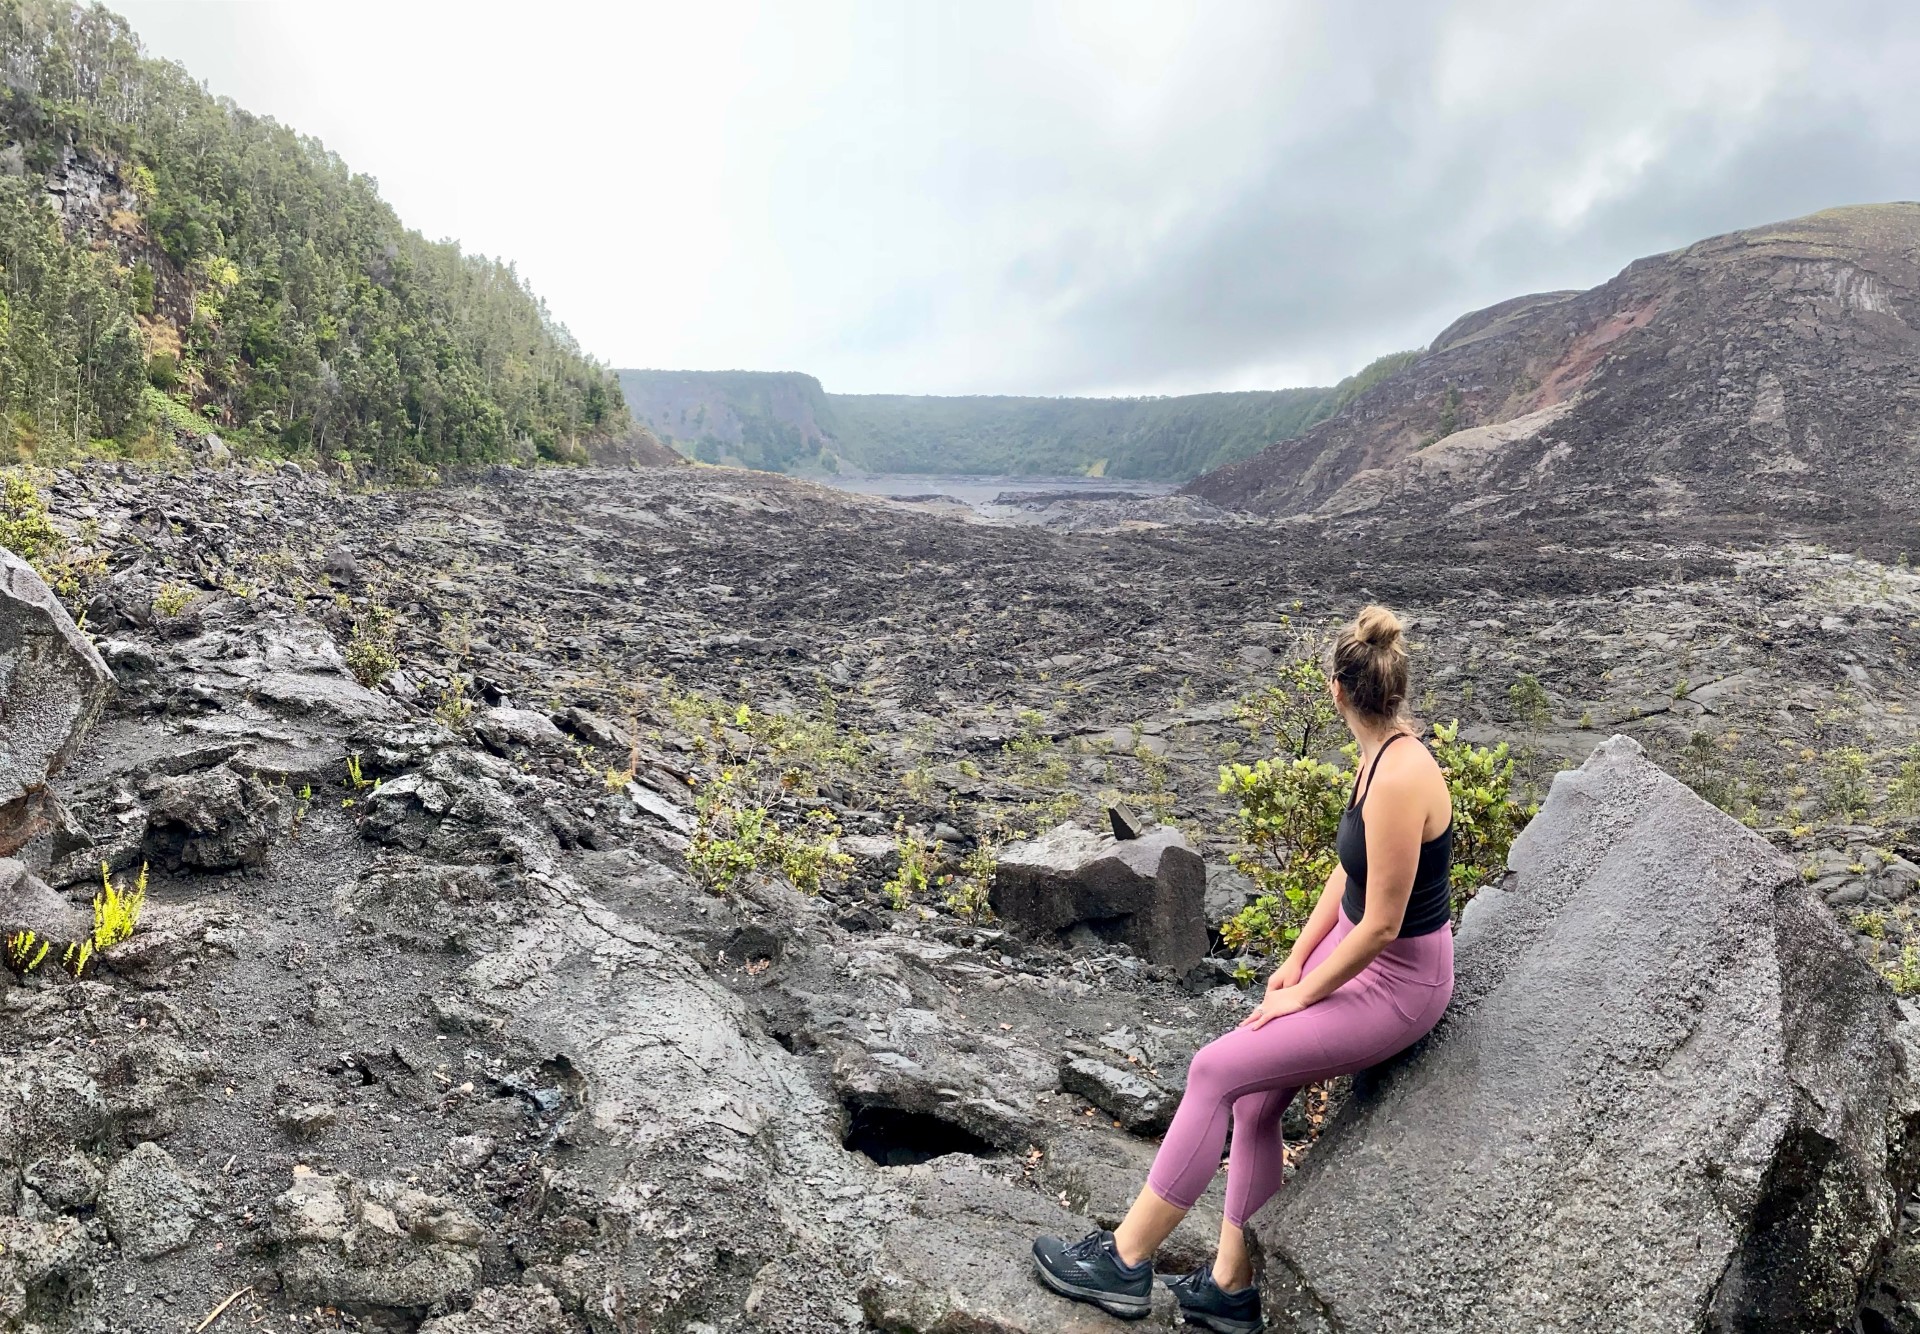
(1369, 660)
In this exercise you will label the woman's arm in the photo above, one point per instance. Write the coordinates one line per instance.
(1394, 825)
(1314, 930)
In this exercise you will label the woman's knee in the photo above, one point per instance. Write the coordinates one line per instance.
(1212, 1069)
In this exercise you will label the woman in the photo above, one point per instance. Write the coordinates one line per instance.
(1371, 973)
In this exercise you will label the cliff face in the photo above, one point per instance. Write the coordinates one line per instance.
(1761, 376)
(785, 422)
(772, 420)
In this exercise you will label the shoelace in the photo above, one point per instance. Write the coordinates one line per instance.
(1088, 1247)
(1194, 1283)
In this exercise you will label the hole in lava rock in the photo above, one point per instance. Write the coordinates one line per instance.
(896, 1138)
(755, 947)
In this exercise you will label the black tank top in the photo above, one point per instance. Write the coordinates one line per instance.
(1430, 905)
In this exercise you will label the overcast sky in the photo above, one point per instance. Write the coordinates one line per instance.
(976, 197)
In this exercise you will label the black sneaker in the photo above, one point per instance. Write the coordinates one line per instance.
(1090, 1270)
(1206, 1304)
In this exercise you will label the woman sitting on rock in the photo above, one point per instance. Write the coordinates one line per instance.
(1370, 974)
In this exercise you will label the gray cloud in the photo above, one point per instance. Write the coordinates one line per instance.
(1118, 195)
(1395, 216)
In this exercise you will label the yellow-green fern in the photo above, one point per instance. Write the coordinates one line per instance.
(116, 910)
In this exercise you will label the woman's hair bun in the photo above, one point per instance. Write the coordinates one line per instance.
(1378, 627)
(1369, 660)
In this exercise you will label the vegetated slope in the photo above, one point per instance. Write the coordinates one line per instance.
(1113, 437)
(171, 260)
(776, 421)
(785, 422)
(1758, 377)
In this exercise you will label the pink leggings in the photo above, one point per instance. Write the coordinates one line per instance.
(1254, 1073)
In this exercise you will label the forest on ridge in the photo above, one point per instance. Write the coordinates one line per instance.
(170, 262)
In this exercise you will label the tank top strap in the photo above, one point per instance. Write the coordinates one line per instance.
(1359, 798)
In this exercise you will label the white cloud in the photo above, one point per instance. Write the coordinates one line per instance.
(1100, 196)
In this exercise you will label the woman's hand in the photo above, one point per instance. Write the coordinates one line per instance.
(1286, 975)
(1287, 1000)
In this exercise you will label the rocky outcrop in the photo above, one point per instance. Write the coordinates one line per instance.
(1147, 893)
(1743, 380)
(52, 682)
(215, 819)
(1666, 1089)
(383, 1246)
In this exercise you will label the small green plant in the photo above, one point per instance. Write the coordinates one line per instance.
(1844, 774)
(915, 872)
(1903, 793)
(116, 914)
(117, 909)
(26, 951)
(1904, 973)
(1529, 701)
(728, 836)
(809, 854)
(1872, 923)
(1159, 796)
(734, 838)
(1682, 688)
(971, 892)
(356, 776)
(455, 709)
(172, 599)
(371, 652)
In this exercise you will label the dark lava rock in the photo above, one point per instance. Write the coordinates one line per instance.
(1146, 893)
(54, 684)
(150, 1205)
(216, 819)
(1627, 397)
(1135, 1101)
(531, 1310)
(1666, 1089)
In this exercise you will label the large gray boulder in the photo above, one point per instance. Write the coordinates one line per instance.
(1148, 893)
(52, 683)
(1667, 1096)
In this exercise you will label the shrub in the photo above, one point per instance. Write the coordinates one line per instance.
(26, 532)
(1289, 816)
(971, 894)
(1296, 711)
(1529, 701)
(24, 529)
(1486, 818)
(915, 872)
(1845, 774)
(371, 650)
(734, 838)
